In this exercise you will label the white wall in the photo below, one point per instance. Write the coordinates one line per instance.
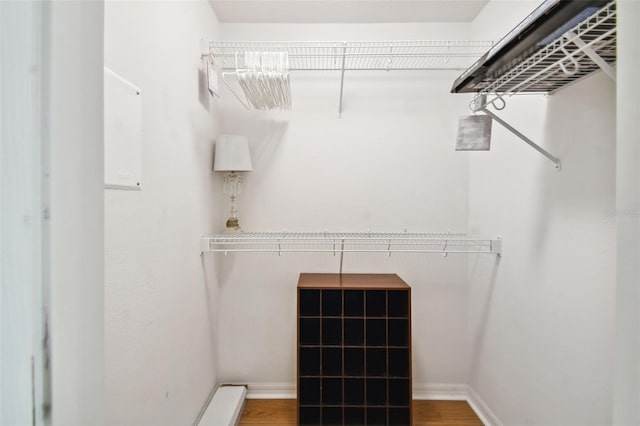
(532, 334)
(73, 126)
(627, 384)
(387, 165)
(541, 319)
(21, 207)
(161, 296)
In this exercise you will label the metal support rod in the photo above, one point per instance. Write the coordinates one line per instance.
(205, 245)
(344, 57)
(496, 246)
(341, 255)
(597, 59)
(528, 141)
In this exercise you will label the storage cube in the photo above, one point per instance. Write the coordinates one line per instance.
(354, 350)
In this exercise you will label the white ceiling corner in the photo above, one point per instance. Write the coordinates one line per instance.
(346, 11)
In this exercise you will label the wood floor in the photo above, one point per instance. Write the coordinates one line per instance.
(282, 412)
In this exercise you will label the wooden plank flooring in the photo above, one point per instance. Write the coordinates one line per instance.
(282, 412)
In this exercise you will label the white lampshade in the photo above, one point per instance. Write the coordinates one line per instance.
(232, 154)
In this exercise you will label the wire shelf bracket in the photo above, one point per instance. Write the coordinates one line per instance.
(586, 48)
(349, 242)
(343, 56)
(483, 108)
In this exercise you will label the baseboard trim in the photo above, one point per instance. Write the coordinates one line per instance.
(271, 391)
(440, 391)
(481, 408)
(433, 391)
(421, 391)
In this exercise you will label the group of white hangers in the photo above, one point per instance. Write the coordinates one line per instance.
(265, 80)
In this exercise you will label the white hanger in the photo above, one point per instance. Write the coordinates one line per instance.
(264, 80)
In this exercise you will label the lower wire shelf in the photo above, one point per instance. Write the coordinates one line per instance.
(350, 242)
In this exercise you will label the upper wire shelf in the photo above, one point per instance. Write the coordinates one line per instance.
(588, 47)
(355, 55)
(350, 242)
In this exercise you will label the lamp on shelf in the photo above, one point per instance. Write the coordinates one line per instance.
(232, 156)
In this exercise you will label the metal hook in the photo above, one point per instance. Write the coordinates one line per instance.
(471, 106)
(499, 98)
(493, 102)
(574, 62)
(479, 102)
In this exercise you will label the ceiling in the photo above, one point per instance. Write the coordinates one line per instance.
(347, 11)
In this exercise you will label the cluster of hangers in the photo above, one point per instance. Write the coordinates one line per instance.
(264, 80)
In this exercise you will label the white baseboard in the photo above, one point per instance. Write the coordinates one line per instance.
(433, 391)
(421, 391)
(482, 409)
(440, 391)
(271, 391)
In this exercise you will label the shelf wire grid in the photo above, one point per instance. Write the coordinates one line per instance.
(542, 72)
(349, 242)
(356, 55)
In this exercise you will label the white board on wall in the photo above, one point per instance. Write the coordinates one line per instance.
(122, 133)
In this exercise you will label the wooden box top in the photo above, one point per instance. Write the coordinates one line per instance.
(352, 281)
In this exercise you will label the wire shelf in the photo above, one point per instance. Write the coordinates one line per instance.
(356, 55)
(350, 242)
(562, 62)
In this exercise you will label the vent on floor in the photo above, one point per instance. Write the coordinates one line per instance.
(225, 407)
